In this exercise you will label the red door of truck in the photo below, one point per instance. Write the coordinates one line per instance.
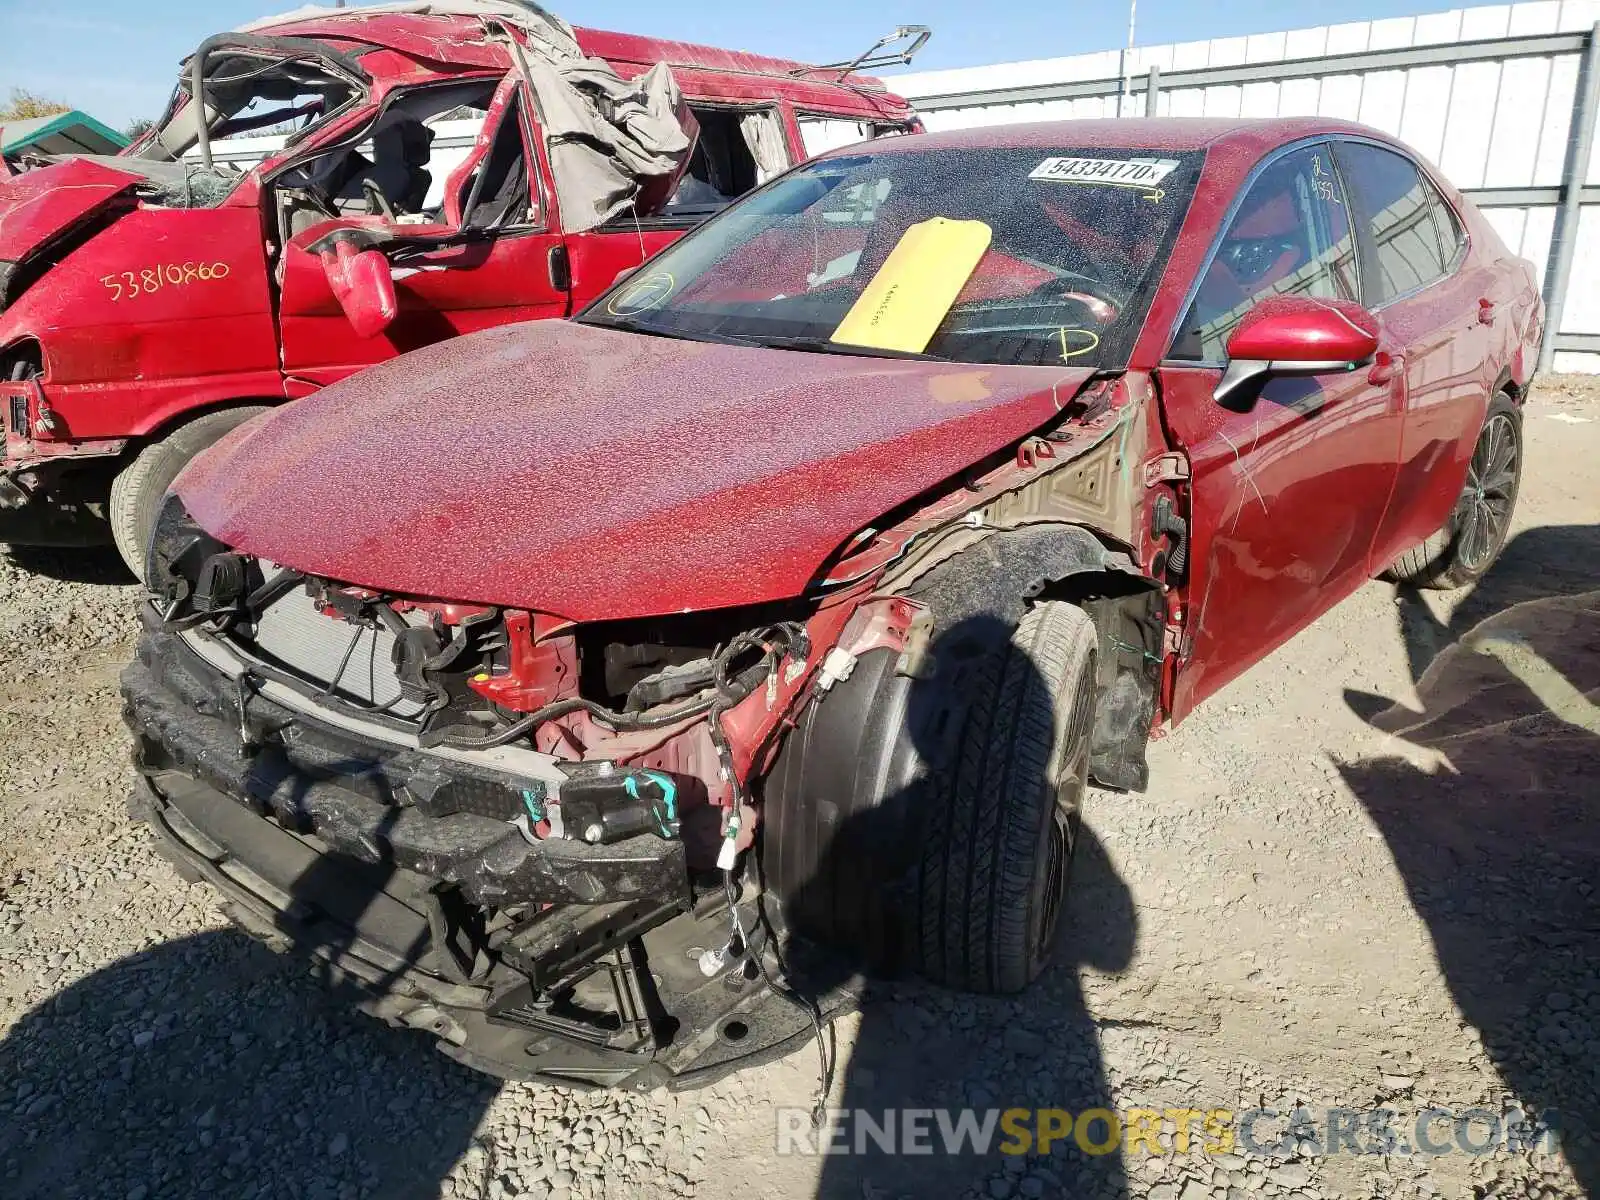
(490, 258)
(1288, 486)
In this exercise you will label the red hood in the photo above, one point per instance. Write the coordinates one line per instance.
(595, 474)
(37, 205)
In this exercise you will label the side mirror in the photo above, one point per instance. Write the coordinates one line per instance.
(1296, 335)
(363, 286)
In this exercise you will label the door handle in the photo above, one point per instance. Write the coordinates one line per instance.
(1386, 368)
(1486, 311)
(560, 268)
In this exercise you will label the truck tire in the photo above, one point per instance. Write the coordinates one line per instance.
(930, 824)
(137, 491)
(1472, 537)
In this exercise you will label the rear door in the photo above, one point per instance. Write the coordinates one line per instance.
(1440, 307)
(481, 254)
(1287, 492)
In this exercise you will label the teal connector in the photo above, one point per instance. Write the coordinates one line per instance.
(667, 824)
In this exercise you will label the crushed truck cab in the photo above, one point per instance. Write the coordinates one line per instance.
(333, 188)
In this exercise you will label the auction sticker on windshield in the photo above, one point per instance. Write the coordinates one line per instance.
(1115, 172)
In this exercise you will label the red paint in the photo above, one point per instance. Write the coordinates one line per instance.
(35, 207)
(1300, 329)
(363, 286)
(709, 475)
(123, 363)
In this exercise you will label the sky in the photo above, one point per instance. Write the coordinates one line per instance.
(118, 61)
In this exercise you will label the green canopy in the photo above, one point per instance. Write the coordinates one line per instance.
(64, 133)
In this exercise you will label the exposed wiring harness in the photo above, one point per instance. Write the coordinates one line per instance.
(730, 686)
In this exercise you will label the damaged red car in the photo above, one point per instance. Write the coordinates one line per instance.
(759, 631)
(332, 188)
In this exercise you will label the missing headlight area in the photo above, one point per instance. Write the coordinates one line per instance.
(646, 725)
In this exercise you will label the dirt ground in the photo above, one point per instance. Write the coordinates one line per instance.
(1363, 877)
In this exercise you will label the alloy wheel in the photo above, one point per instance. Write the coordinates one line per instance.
(1484, 511)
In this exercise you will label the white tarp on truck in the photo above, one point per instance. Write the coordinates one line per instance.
(606, 137)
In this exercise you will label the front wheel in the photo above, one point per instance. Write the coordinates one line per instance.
(137, 491)
(931, 823)
(1472, 537)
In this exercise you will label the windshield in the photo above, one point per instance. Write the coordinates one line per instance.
(982, 255)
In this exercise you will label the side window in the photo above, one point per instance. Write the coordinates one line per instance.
(1397, 206)
(736, 151)
(1452, 237)
(818, 134)
(1291, 234)
(397, 169)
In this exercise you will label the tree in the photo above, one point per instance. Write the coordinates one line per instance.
(24, 105)
(137, 129)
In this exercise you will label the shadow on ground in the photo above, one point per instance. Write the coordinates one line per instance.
(210, 1066)
(931, 1048)
(1498, 840)
(962, 1056)
(87, 564)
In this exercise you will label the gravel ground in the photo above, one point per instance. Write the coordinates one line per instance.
(1363, 875)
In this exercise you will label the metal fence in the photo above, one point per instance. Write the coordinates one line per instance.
(1511, 117)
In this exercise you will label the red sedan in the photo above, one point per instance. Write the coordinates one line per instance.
(793, 594)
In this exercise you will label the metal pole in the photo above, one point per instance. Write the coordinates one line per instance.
(1152, 90)
(1564, 237)
(1127, 60)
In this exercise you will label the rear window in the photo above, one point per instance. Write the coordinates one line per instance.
(1402, 218)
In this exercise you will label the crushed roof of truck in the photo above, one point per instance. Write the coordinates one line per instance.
(450, 28)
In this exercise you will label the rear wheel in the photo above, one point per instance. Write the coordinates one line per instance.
(1470, 541)
(932, 823)
(137, 491)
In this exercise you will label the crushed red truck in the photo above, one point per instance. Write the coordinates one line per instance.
(153, 300)
(607, 698)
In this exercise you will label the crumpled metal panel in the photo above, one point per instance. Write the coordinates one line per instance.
(596, 474)
(38, 204)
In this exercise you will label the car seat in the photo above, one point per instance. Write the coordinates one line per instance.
(401, 148)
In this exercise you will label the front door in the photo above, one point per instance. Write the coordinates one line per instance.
(1287, 491)
(474, 253)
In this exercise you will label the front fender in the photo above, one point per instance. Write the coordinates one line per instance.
(1005, 571)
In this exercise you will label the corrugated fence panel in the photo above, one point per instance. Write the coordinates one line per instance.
(1469, 124)
(1518, 122)
(1563, 88)
(1383, 100)
(1583, 297)
(1259, 99)
(1427, 108)
(1300, 97)
(1339, 97)
(1509, 223)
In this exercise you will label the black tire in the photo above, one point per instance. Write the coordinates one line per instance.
(137, 491)
(931, 824)
(1473, 535)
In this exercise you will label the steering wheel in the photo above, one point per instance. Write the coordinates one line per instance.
(377, 203)
(1091, 293)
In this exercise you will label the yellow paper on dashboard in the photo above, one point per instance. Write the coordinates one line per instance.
(909, 296)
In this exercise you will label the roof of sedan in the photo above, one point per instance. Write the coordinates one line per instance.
(1141, 133)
